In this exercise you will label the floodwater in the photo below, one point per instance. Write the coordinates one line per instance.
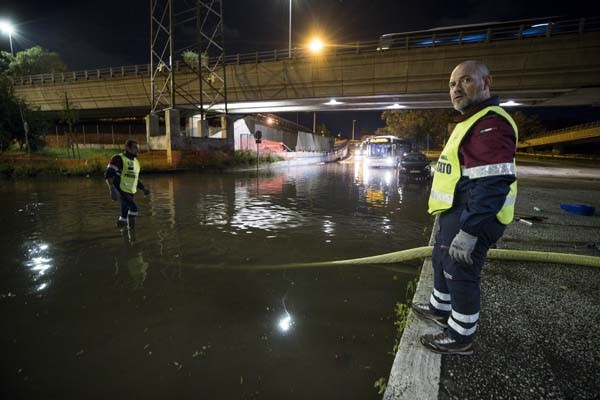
(195, 303)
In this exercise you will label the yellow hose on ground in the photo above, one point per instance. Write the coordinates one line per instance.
(423, 252)
(496, 254)
(544, 257)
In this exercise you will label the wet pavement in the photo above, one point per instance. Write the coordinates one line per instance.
(91, 311)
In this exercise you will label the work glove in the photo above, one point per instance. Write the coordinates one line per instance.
(462, 246)
(113, 193)
(146, 191)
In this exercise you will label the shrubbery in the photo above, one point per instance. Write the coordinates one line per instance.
(53, 161)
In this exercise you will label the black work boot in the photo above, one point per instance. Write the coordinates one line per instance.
(423, 311)
(121, 223)
(441, 343)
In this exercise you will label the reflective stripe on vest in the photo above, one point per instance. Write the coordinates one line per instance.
(129, 174)
(448, 170)
(489, 170)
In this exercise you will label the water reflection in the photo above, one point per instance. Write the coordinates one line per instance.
(138, 269)
(39, 263)
(256, 208)
(262, 214)
(285, 323)
(164, 293)
(132, 258)
(377, 183)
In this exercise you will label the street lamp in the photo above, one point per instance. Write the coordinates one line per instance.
(9, 29)
(316, 45)
(290, 33)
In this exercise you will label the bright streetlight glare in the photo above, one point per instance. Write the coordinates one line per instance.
(510, 103)
(7, 27)
(316, 45)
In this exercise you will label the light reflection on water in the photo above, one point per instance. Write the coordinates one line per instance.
(165, 288)
(39, 263)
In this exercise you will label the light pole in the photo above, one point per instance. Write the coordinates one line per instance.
(290, 33)
(7, 28)
(353, 123)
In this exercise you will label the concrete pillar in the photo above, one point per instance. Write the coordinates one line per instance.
(172, 122)
(230, 134)
(224, 126)
(151, 128)
(202, 127)
(173, 130)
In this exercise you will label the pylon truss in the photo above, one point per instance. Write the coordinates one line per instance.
(187, 35)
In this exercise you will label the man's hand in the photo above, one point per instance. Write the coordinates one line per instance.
(146, 191)
(113, 193)
(462, 246)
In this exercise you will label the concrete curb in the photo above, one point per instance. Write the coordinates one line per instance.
(416, 371)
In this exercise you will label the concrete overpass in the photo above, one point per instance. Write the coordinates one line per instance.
(547, 70)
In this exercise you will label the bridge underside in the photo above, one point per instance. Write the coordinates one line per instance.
(535, 98)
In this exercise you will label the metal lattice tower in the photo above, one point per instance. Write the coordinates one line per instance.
(193, 27)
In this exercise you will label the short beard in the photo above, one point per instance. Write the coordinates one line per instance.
(463, 108)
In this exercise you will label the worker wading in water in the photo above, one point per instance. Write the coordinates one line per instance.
(122, 177)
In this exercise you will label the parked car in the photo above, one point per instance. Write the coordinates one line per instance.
(415, 166)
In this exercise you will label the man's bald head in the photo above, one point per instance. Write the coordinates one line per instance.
(469, 84)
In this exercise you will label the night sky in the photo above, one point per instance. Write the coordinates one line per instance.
(92, 34)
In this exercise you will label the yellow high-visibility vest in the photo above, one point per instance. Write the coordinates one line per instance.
(448, 170)
(130, 174)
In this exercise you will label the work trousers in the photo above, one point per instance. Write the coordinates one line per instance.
(128, 205)
(456, 285)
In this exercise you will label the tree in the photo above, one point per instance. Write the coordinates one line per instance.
(18, 121)
(69, 115)
(10, 120)
(418, 126)
(528, 125)
(32, 61)
(16, 118)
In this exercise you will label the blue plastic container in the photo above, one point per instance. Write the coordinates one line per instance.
(579, 209)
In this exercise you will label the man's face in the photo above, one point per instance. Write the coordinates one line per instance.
(133, 149)
(467, 87)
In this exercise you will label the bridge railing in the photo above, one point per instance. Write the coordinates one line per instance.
(557, 132)
(433, 38)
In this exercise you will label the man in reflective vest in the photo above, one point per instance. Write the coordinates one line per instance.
(473, 193)
(122, 177)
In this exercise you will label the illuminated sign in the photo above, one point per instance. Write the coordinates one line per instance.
(380, 140)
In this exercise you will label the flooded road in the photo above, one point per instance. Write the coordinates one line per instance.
(195, 303)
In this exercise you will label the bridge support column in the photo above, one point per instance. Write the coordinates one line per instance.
(152, 128)
(224, 126)
(229, 133)
(173, 129)
(202, 127)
